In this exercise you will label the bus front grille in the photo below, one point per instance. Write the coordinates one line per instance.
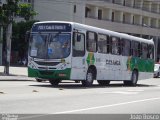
(47, 63)
(46, 72)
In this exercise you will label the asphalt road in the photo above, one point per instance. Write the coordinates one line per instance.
(31, 97)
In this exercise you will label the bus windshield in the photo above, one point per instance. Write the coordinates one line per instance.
(50, 46)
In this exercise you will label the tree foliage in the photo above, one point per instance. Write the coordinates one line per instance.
(18, 35)
(12, 9)
(26, 11)
(8, 13)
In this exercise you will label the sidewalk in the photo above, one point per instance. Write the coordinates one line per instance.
(15, 73)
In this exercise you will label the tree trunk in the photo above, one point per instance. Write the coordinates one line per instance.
(8, 48)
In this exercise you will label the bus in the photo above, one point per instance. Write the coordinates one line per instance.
(61, 50)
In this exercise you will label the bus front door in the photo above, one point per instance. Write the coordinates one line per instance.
(78, 57)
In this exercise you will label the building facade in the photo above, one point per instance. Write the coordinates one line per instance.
(140, 18)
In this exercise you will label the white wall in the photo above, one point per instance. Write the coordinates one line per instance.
(52, 10)
(59, 10)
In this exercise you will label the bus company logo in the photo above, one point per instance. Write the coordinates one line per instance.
(90, 58)
(9, 117)
(113, 62)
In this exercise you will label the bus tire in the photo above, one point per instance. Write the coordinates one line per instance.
(103, 82)
(54, 82)
(89, 78)
(134, 79)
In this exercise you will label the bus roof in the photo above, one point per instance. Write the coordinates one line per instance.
(101, 30)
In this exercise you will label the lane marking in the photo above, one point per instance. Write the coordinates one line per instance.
(132, 90)
(121, 92)
(105, 106)
(32, 116)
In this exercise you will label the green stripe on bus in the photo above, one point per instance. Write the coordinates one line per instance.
(143, 65)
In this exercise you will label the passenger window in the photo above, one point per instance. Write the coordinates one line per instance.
(102, 43)
(136, 49)
(116, 48)
(144, 50)
(108, 46)
(150, 51)
(78, 44)
(91, 41)
(126, 47)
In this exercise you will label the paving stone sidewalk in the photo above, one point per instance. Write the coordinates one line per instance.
(15, 73)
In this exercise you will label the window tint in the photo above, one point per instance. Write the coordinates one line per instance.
(150, 51)
(126, 46)
(136, 49)
(102, 43)
(109, 46)
(78, 44)
(116, 48)
(91, 41)
(144, 50)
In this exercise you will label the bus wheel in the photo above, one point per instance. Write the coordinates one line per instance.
(89, 79)
(103, 82)
(54, 82)
(134, 79)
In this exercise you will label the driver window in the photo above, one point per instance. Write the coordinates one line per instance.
(78, 44)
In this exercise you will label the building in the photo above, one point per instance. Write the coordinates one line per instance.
(136, 17)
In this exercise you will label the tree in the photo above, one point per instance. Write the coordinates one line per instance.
(8, 12)
(26, 11)
(19, 40)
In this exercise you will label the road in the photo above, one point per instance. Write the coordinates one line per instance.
(31, 97)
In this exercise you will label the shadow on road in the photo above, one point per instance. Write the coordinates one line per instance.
(72, 85)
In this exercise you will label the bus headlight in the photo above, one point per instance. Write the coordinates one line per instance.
(31, 65)
(63, 61)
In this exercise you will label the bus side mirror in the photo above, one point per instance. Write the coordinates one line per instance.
(27, 36)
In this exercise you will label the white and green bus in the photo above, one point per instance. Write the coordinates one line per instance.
(71, 51)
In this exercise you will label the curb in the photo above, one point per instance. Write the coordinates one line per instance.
(15, 78)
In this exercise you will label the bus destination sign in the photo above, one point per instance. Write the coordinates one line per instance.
(49, 27)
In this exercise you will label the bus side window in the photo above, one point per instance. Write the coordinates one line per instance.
(136, 49)
(144, 50)
(116, 49)
(126, 47)
(139, 49)
(78, 44)
(102, 43)
(91, 41)
(109, 47)
(150, 52)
